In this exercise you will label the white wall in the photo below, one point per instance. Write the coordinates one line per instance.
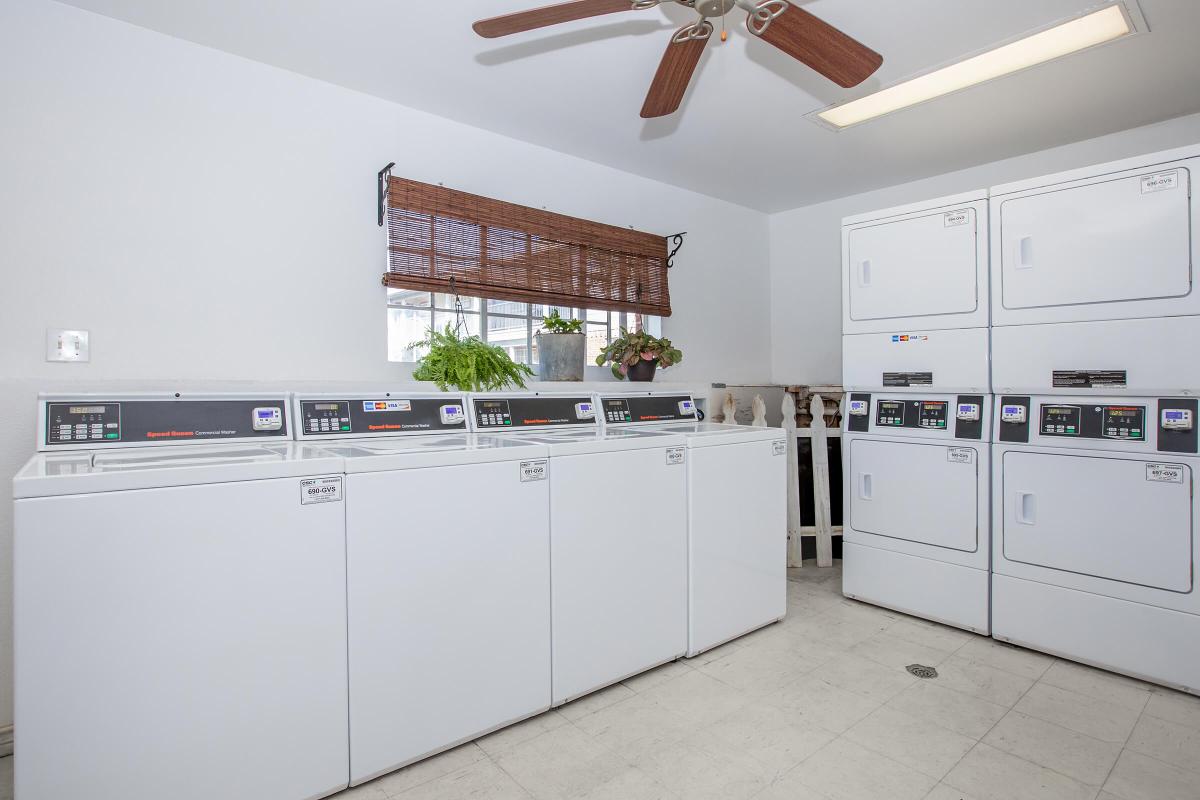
(209, 218)
(806, 321)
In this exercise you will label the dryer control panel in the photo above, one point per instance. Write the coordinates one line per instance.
(632, 409)
(516, 412)
(1145, 424)
(94, 421)
(326, 417)
(957, 416)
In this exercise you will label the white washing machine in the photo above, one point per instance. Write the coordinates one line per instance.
(915, 296)
(180, 603)
(916, 497)
(737, 514)
(1096, 536)
(448, 551)
(1092, 271)
(618, 537)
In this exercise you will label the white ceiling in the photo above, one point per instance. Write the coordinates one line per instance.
(741, 134)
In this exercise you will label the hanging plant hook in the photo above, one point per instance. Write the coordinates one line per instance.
(381, 189)
(677, 240)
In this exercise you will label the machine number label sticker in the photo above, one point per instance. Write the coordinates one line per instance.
(675, 455)
(953, 218)
(321, 490)
(1165, 473)
(1159, 182)
(960, 455)
(780, 448)
(535, 470)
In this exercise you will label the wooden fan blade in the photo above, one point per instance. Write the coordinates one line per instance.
(674, 74)
(821, 46)
(548, 15)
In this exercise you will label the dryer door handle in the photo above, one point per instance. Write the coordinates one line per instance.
(1026, 508)
(864, 485)
(864, 273)
(1025, 252)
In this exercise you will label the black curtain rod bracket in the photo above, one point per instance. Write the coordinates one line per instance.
(381, 188)
(677, 239)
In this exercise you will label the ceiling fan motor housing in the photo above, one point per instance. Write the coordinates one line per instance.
(714, 8)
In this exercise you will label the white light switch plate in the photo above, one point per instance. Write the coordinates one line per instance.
(67, 345)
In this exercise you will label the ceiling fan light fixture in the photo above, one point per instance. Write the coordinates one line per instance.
(1098, 27)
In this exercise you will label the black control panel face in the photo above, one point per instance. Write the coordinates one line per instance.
(858, 413)
(381, 416)
(1123, 422)
(648, 408)
(931, 415)
(1014, 418)
(1086, 421)
(92, 422)
(968, 416)
(890, 413)
(1061, 420)
(1177, 426)
(514, 413)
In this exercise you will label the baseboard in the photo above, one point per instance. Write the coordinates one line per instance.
(6, 741)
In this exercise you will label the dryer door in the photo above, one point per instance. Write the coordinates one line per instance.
(1112, 241)
(918, 267)
(924, 493)
(1118, 519)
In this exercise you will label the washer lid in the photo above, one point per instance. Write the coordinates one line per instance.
(375, 455)
(577, 442)
(87, 471)
(707, 434)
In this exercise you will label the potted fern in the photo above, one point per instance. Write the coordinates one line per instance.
(638, 355)
(467, 363)
(562, 349)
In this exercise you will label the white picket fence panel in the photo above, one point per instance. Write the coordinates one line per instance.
(819, 435)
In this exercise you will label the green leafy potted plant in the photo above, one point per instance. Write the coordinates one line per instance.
(638, 355)
(468, 364)
(562, 349)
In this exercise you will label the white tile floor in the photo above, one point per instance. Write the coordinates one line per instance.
(819, 707)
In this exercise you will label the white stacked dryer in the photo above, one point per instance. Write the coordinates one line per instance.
(737, 514)
(1094, 511)
(448, 573)
(179, 603)
(618, 537)
(916, 435)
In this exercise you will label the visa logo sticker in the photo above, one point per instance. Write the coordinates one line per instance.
(907, 337)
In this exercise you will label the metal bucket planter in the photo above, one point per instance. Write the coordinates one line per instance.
(561, 356)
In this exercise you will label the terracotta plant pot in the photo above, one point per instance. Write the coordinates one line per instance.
(643, 370)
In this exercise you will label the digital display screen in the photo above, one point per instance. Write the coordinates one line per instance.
(1059, 411)
(1129, 413)
(1013, 409)
(1173, 414)
(325, 406)
(87, 409)
(266, 413)
(890, 405)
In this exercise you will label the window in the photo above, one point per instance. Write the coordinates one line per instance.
(505, 323)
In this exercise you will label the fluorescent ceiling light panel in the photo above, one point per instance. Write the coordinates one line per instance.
(1078, 34)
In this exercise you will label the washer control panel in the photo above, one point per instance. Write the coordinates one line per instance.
(330, 417)
(618, 410)
(929, 414)
(933, 414)
(96, 422)
(533, 411)
(88, 422)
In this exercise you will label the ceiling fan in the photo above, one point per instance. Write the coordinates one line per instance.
(783, 24)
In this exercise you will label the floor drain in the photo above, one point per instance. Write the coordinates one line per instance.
(921, 671)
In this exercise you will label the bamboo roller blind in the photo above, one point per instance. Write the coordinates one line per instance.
(506, 251)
